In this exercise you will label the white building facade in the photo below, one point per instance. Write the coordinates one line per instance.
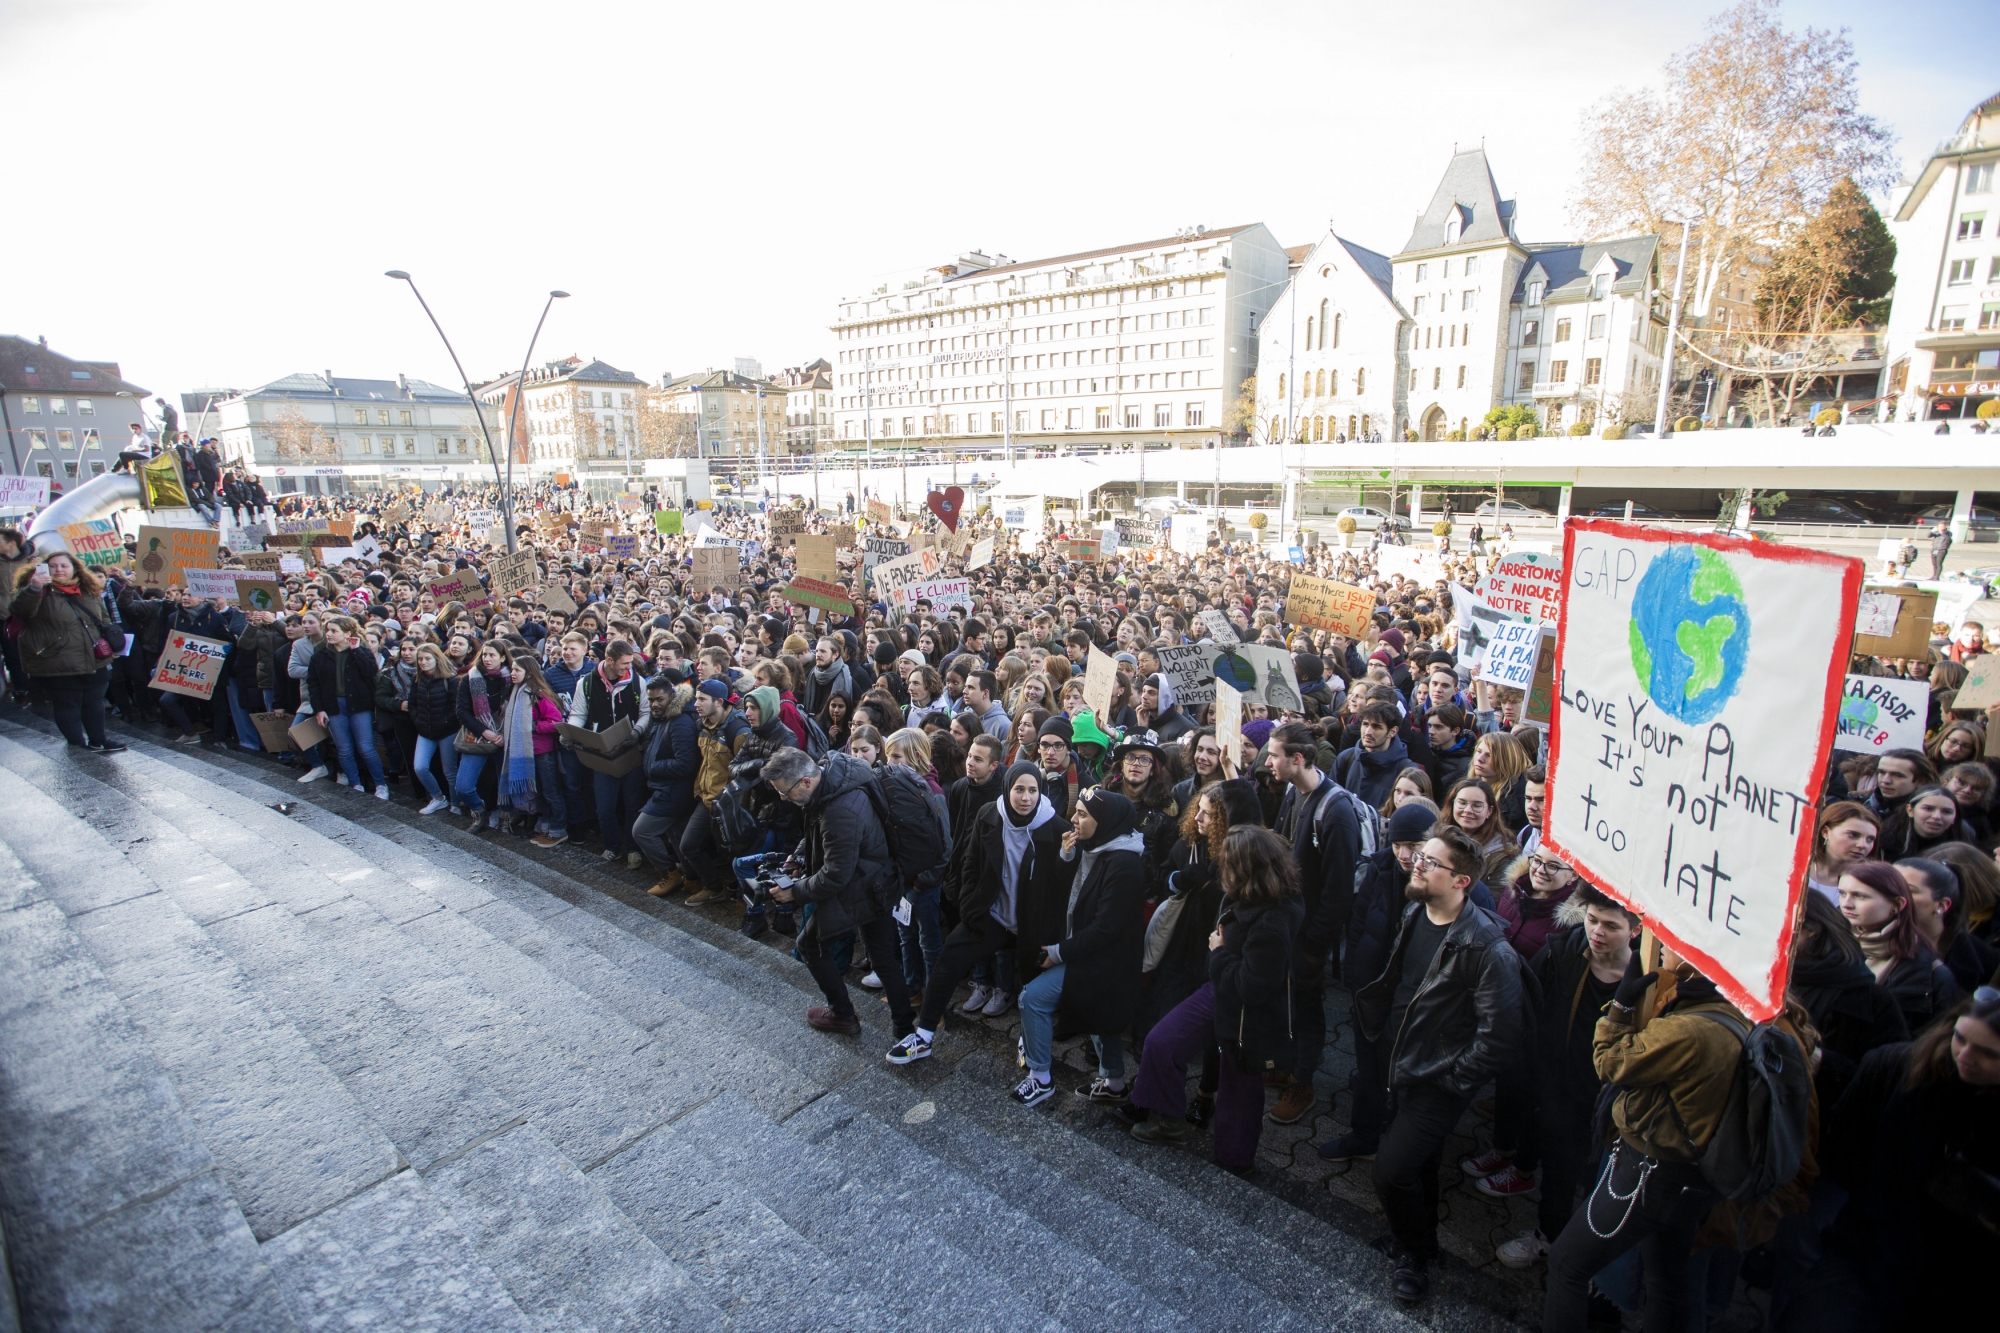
(573, 412)
(736, 415)
(1327, 364)
(326, 433)
(1135, 344)
(1944, 324)
(1586, 334)
(64, 419)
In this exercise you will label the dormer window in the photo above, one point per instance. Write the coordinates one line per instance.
(1600, 287)
(1535, 290)
(1452, 227)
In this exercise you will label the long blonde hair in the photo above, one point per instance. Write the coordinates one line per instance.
(909, 747)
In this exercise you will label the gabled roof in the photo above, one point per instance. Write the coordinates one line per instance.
(307, 385)
(192, 403)
(1377, 267)
(1567, 268)
(1468, 191)
(714, 379)
(30, 367)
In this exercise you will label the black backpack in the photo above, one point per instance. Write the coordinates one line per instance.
(1761, 1140)
(916, 824)
(817, 745)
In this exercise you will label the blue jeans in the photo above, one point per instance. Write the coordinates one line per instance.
(246, 731)
(577, 799)
(611, 825)
(465, 786)
(1038, 1022)
(922, 939)
(548, 782)
(997, 969)
(427, 749)
(354, 735)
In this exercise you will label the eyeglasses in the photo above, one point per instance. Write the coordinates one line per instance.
(1423, 865)
(1538, 866)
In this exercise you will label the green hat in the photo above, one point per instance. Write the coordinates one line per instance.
(1084, 731)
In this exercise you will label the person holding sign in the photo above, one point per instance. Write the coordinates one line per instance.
(65, 645)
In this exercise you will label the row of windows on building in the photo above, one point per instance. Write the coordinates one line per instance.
(31, 405)
(1102, 417)
(1318, 429)
(1467, 267)
(65, 439)
(1952, 318)
(1049, 305)
(1095, 328)
(1325, 383)
(1095, 356)
(1182, 379)
(1964, 271)
(69, 470)
(368, 444)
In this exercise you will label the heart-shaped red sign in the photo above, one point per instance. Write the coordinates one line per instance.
(946, 504)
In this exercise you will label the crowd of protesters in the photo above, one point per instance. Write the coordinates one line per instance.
(921, 794)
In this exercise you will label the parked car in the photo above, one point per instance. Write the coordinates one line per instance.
(1819, 509)
(1368, 518)
(1982, 517)
(1639, 511)
(1514, 510)
(1165, 506)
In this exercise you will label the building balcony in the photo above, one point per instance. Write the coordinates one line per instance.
(1554, 389)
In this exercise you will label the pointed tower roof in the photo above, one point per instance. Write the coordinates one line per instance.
(1467, 197)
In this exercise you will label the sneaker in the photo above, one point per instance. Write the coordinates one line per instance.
(997, 1003)
(1201, 1111)
(1349, 1147)
(607, 855)
(497, 820)
(381, 793)
(1292, 1107)
(825, 1020)
(908, 1050)
(1164, 1130)
(1030, 1091)
(190, 739)
(704, 898)
(313, 774)
(1506, 1183)
(1101, 1092)
(110, 747)
(873, 981)
(546, 840)
(1524, 1251)
(1411, 1283)
(437, 803)
(977, 1001)
(633, 860)
(478, 821)
(1485, 1164)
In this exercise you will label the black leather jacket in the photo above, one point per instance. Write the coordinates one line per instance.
(1466, 1019)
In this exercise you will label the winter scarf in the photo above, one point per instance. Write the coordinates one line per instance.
(518, 784)
(482, 707)
(1016, 833)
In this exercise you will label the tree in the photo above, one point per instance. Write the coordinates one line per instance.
(294, 439)
(664, 431)
(1754, 128)
(1240, 416)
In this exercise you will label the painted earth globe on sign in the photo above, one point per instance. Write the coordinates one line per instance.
(1690, 633)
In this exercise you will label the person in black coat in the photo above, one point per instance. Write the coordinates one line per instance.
(1244, 1008)
(340, 690)
(1089, 979)
(672, 758)
(434, 714)
(1176, 959)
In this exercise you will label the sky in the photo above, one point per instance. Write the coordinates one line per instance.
(214, 190)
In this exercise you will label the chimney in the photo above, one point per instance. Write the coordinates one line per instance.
(44, 342)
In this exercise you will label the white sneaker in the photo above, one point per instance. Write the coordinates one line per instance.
(1524, 1251)
(909, 1049)
(873, 981)
(977, 1001)
(317, 772)
(998, 1003)
(633, 860)
(1031, 1091)
(437, 803)
(381, 793)
(493, 820)
(341, 778)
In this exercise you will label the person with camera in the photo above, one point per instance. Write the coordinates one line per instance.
(848, 875)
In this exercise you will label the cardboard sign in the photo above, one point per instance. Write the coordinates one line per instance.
(1318, 603)
(1100, 682)
(94, 542)
(256, 593)
(1526, 583)
(1511, 655)
(290, 564)
(461, 585)
(667, 522)
(1419, 566)
(815, 558)
(439, 514)
(1263, 672)
(1699, 680)
(215, 585)
(940, 593)
(892, 576)
(622, 546)
(274, 732)
(783, 523)
(265, 562)
(1229, 728)
(609, 751)
(1538, 709)
(980, 556)
(1476, 625)
(843, 536)
(1882, 713)
(165, 554)
(395, 514)
(23, 492)
(1911, 637)
(947, 504)
(1138, 533)
(1083, 551)
(1218, 625)
(481, 519)
(191, 665)
(879, 512)
(306, 733)
(1982, 684)
(716, 566)
(825, 594)
(875, 550)
(509, 574)
(555, 598)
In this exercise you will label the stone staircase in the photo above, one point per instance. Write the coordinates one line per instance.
(340, 1068)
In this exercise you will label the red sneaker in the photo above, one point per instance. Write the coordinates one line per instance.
(1506, 1183)
(1485, 1164)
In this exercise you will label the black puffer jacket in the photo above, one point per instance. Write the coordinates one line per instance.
(849, 873)
(1252, 972)
(1469, 1015)
(434, 706)
(324, 678)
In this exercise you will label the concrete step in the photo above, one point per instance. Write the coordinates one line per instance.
(115, 1215)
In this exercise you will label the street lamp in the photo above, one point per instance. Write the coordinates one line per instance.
(514, 413)
(506, 485)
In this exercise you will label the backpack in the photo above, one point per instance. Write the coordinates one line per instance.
(1761, 1140)
(915, 823)
(817, 744)
(736, 826)
(1366, 815)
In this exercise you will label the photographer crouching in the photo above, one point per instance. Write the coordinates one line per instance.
(849, 880)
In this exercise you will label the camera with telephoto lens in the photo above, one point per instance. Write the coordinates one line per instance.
(770, 875)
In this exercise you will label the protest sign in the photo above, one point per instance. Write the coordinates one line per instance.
(1138, 533)
(706, 536)
(1318, 603)
(875, 550)
(191, 665)
(291, 564)
(307, 733)
(1526, 583)
(948, 504)
(592, 536)
(1699, 680)
(622, 546)
(715, 566)
(825, 594)
(611, 752)
(94, 542)
(1419, 566)
(940, 593)
(892, 576)
(165, 554)
(259, 593)
(1218, 626)
(1229, 730)
(1083, 551)
(813, 553)
(460, 585)
(784, 523)
(1955, 599)
(369, 547)
(1187, 534)
(218, 585)
(1882, 713)
(878, 512)
(555, 598)
(1982, 684)
(1511, 655)
(1100, 682)
(1476, 623)
(395, 513)
(1263, 672)
(274, 731)
(667, 522)
(329, 556)
(843, 536)
(1908, 622)
(509, 574)
(438, 514)
(23, 492)
(1539, 707)
(631, 504)
(264, 562)
(980, 556)
(481, 519)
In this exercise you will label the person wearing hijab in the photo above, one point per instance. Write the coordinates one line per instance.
(1089, 978)
(1009, 890)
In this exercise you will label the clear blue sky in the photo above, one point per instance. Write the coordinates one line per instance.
(209, 193)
